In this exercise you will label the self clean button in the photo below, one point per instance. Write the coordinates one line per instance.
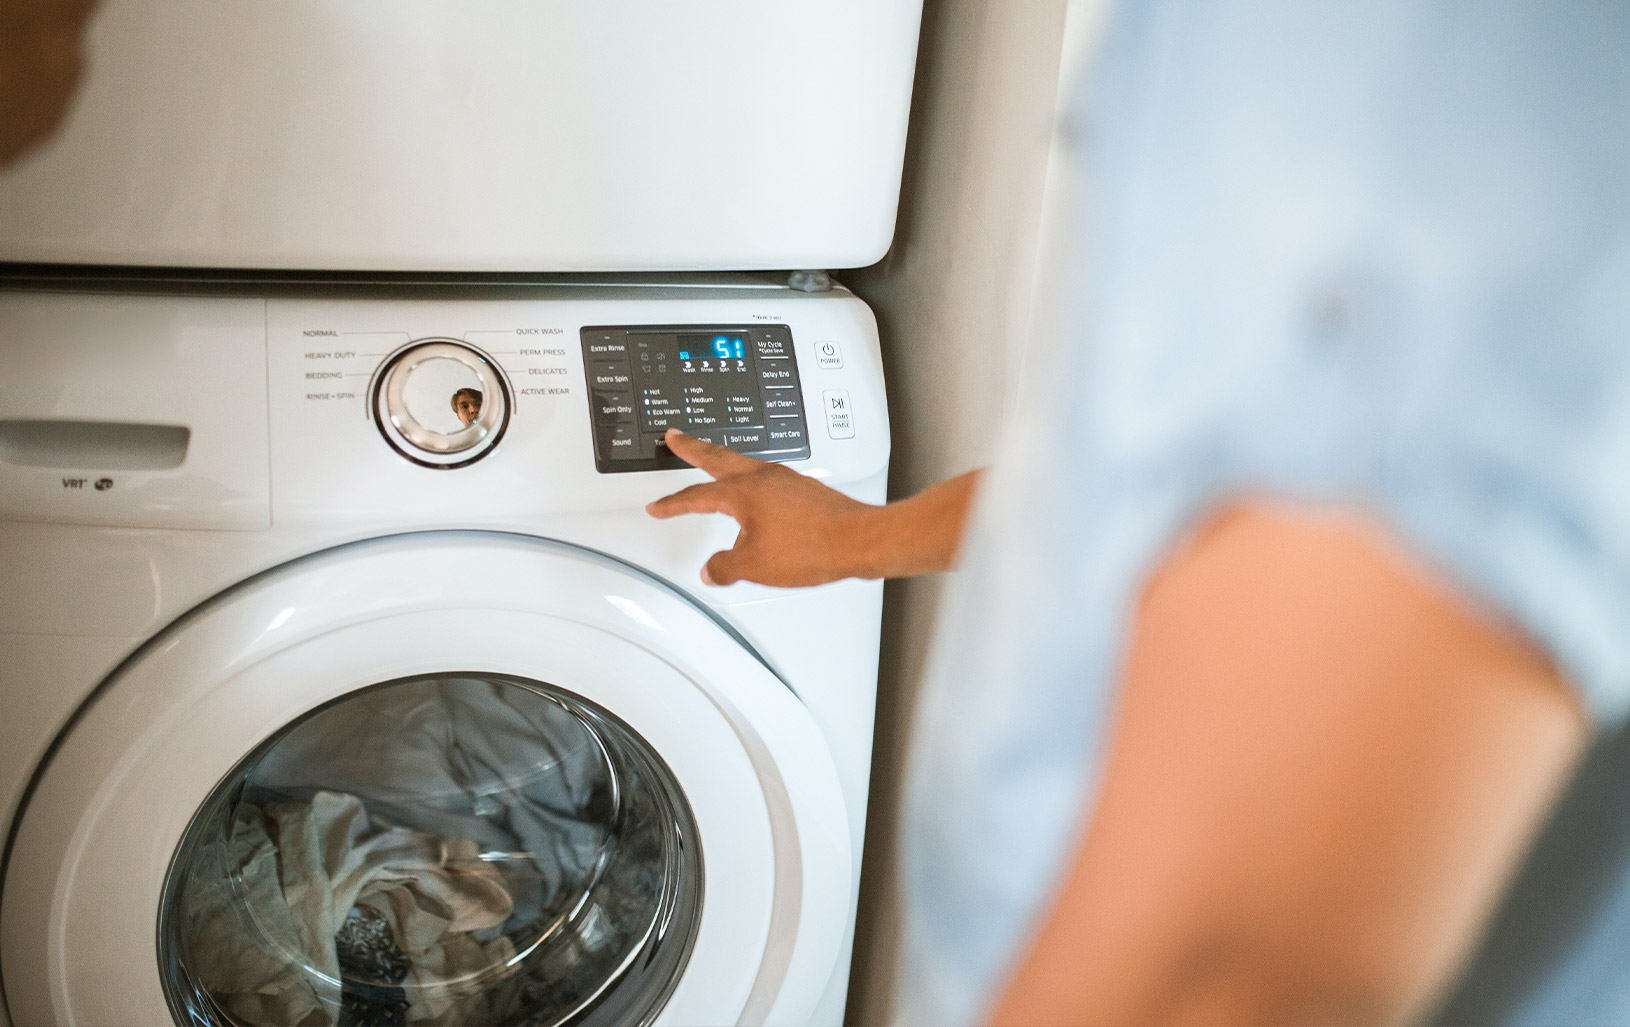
(828, 356)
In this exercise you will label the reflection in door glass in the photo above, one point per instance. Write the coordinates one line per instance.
(432, 394)
(467, 405)
(445, 849)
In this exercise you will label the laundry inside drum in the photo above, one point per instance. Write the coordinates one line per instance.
(447, 849)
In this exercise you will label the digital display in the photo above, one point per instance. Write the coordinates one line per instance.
(712, 347)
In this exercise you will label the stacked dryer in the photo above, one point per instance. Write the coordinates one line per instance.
(349, 682)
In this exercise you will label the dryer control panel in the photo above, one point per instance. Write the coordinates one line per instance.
(336, 407)
(733, 385)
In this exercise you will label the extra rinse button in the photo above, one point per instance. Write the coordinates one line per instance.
(840, 419)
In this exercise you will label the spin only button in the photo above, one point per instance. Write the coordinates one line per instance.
(613, 407)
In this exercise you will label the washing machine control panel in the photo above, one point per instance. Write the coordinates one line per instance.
(733, 385)
(440, 402)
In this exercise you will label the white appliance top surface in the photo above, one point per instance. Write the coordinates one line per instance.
(411, 135)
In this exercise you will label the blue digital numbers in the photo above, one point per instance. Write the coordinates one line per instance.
(713, 352)
(729, 347)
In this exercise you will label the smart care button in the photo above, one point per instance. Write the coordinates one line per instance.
(786, 433)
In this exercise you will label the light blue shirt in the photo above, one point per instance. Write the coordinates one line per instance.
(1370, 252)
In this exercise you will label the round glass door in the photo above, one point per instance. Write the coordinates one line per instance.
(650, 799)
(452, 848)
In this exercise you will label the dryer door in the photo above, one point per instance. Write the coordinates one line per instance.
(452, 777)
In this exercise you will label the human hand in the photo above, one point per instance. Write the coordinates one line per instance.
(39, 68)
(794, 530)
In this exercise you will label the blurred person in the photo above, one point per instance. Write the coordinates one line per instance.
(467, 405)
(1296, 592)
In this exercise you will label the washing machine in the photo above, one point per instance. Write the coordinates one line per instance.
(347, 681)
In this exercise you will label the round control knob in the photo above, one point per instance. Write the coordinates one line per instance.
(441, 403)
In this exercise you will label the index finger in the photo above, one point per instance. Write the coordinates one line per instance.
(715, 460)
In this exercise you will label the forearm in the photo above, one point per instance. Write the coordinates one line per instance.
(797, 531)
(1323, 769)
(918, 535)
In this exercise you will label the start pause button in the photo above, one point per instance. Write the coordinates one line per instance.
(840, 419)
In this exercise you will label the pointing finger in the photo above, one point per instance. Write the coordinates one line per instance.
(721, 569)
(715, 460)
(707, 497)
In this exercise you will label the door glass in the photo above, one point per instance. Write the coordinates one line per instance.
(446, 849)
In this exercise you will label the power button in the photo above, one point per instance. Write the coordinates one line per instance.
(828, 355)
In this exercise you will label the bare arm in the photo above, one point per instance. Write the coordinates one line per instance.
(796, 531)
(1324, 768)
(40, 56)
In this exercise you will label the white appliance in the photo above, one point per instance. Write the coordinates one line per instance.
(334, 690)
(346, 678)
(508, 135)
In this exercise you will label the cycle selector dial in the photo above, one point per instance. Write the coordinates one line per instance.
(441, 403)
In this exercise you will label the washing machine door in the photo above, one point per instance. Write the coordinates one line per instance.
(439, 778)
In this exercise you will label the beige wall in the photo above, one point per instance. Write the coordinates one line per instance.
(954, 299)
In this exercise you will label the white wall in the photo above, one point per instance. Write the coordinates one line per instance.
(956, 298)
